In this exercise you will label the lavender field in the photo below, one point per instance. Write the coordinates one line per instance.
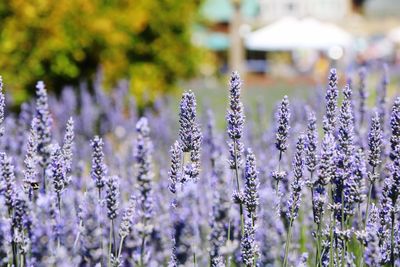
(88, 180)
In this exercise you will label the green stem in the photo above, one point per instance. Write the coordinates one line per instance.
(59, 217)
(78, 235)
(13, 245)
(142, 249)
(392, 240)
(238, 185)
(110, 242)
(333, 221)
(228, 240)
(288, 234)
(101, 225)
(369, 199)
(279, 170)
(319, 254)
(342, 225)
(121, 242)
(22, 263)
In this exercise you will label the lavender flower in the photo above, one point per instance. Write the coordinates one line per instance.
(211, 139)
(99, 169)
(58, 170)
(218, 226)
(190, 135)
(125, 227)
(144, 174)
(43, 125)
(395, 177)
(381, 95)
(363, 95)
(112, 197)
(283, 127)
(251, 198)
(248, 246)
(219, 212)
(371, 253)
(43, 129)
(91, 248)
(68, 145)
(395, 127)
(8, 178)
(235, 118)
(326, 174)
(374, 156)
(385, 210)
(359, 174)
(127, 218)
(326, 167)
(144, 179)
(31, 173)
(331, 103)
(311, 142)
(175, 170)
(297, 184)
(375, 142)
(21, 220)
(346, 124)
(345, 185)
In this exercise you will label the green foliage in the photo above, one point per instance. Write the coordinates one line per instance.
(65, 41)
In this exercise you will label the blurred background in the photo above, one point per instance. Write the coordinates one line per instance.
(162, 46)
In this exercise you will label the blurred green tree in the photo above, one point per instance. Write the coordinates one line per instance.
(65, 41)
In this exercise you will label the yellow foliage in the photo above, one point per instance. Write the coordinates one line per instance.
(65, 41)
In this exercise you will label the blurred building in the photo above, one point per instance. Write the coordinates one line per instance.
(330, 10)
(229, 21)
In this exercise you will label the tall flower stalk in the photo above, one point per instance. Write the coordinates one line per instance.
(345, 192)
(43, 130)
(144, 179)
(394, 192)
(190, 137)
(331, 103)
(311, 162)
(68, 145)
(99, 169)
(31, 160)
(251, 197)
(363, 95)
(112, 202)
(98, 173)
(125, 227)
(374, 157)
(282, 135)
(59, 176)
(235, 118)
(326, 174)
(294, 201)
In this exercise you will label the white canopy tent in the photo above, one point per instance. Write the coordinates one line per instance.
(394, 35)
(292, 34)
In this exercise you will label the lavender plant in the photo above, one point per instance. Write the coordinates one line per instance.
(144, 179)
(159, 209)
(282, 133)
(43, 130)
(295, 194)
(190, 137)
(235, 119)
